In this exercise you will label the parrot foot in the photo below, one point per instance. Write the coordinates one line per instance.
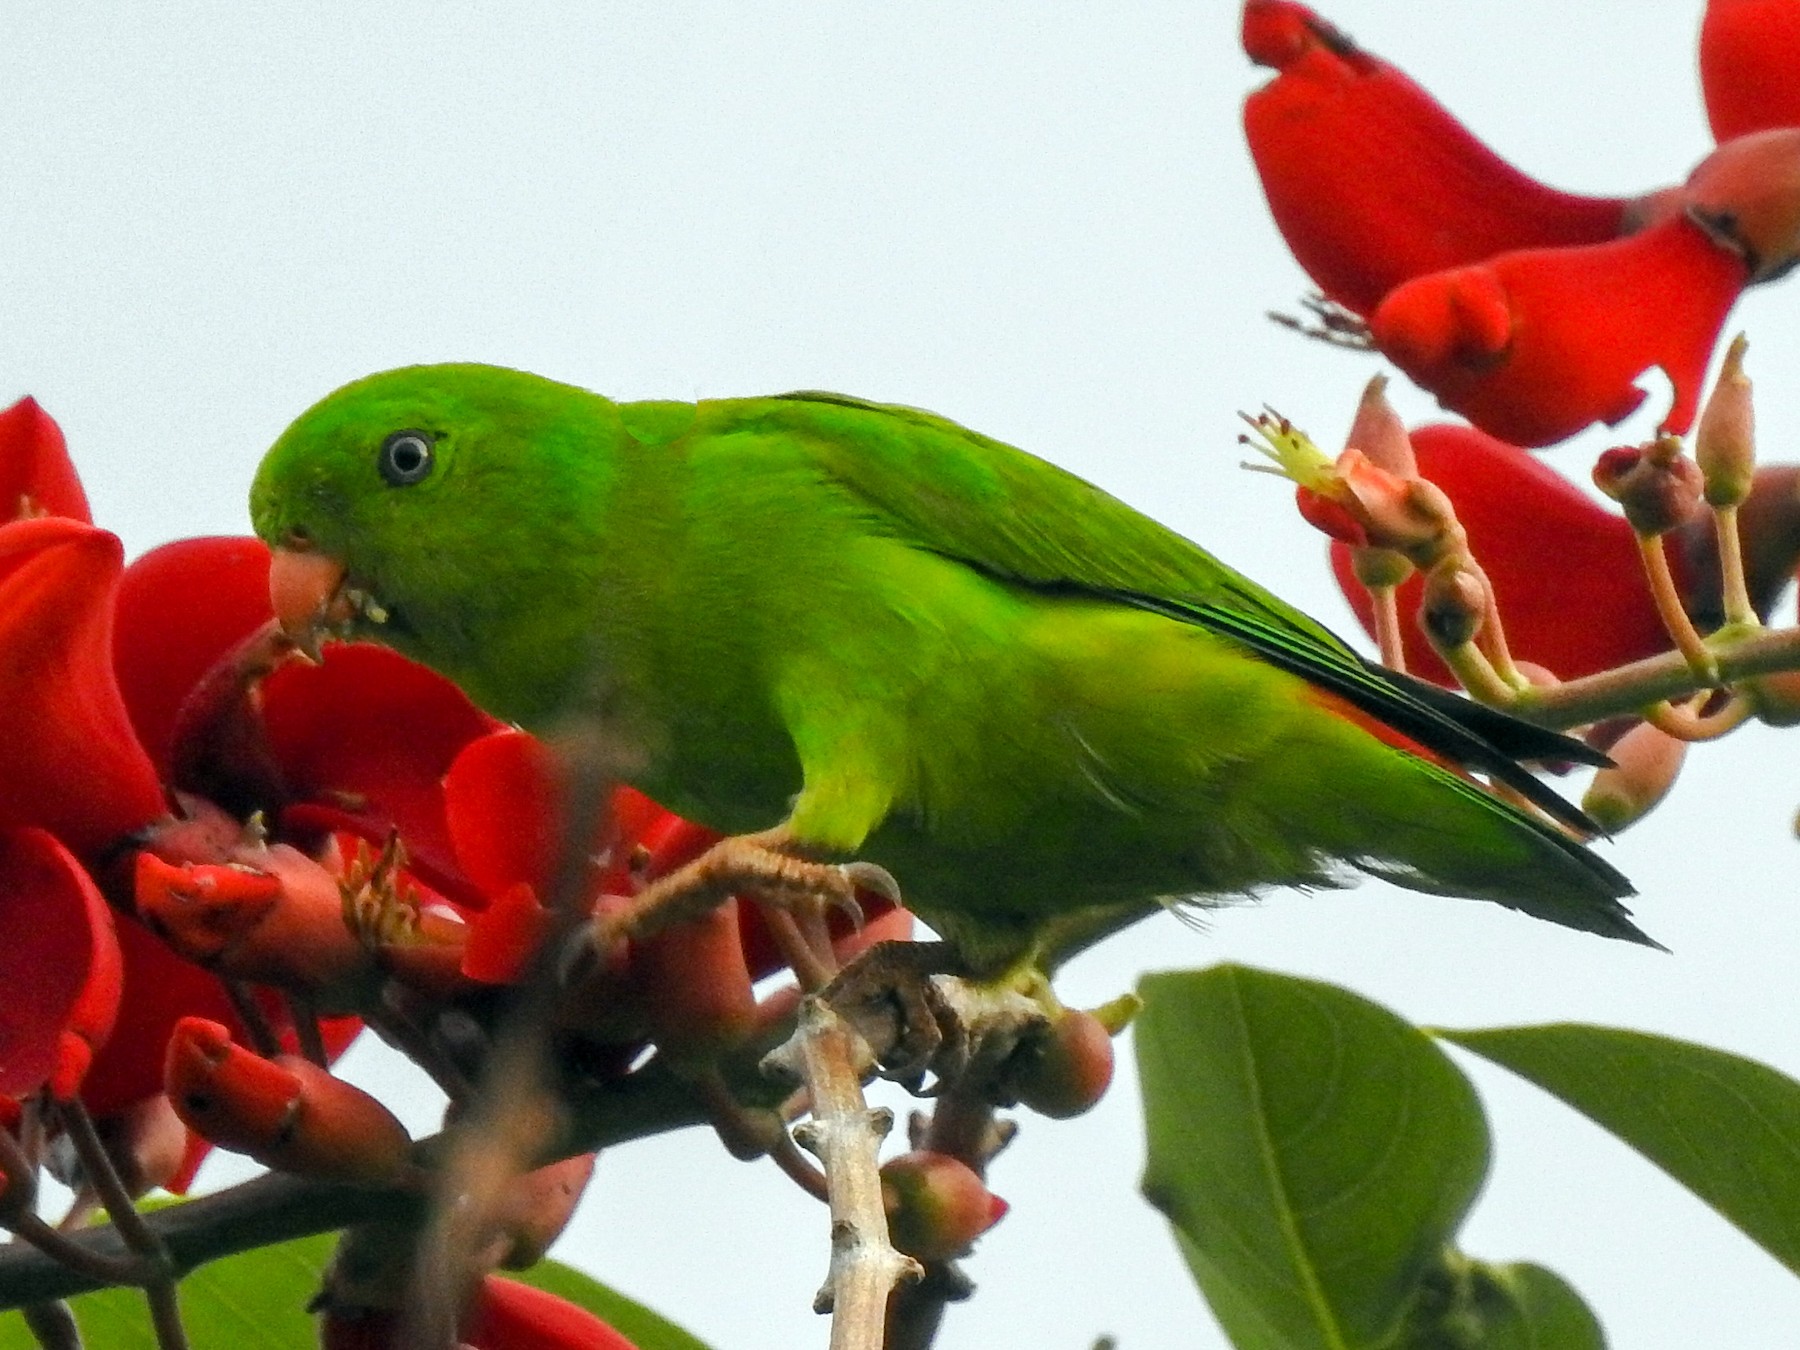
(889, 996)
(921, 1013)
(767, 868)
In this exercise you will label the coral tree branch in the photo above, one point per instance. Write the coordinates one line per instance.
(846, 1135)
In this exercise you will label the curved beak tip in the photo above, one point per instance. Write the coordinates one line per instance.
(306, 590)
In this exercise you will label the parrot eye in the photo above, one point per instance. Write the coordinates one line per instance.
(405, 458)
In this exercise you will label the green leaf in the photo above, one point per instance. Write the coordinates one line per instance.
(1525, 1307)
(257, 1301)
(1726, 1127)
(1316, 1154)
(254, 1301)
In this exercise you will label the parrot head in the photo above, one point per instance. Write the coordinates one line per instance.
(418, 506)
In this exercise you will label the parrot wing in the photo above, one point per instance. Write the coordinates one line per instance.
(993, 507)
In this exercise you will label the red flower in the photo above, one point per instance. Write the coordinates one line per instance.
(1371, 180)
(364, 741)
(180, 609)
(69, 760)
(1749, 51)
(60, 967)
(1527, 310)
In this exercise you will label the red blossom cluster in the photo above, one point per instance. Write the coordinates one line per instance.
(1530, 311)
(216, 861)
(1533, 312)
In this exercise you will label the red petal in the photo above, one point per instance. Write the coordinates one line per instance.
(1534, 346)
(369, 737)
(1749, 51)
(69, 760)
(694, 986)
(1329, 517)
(1372, 182)
(1564, 568)
(60, 967)
(36, 477)
(503, 807)
(511, 1316)
(180, 609)
(503, 936)
(159, 990)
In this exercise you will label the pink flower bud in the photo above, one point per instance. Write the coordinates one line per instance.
(1068, 1069)
(1658, 485)
(1453, 604)
(1645, 763)
(936, 1205)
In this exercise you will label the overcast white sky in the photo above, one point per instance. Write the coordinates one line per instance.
(1037, 218)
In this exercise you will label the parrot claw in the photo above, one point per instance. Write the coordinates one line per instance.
(868, 876)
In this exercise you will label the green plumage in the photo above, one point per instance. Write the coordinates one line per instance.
(1042, 711)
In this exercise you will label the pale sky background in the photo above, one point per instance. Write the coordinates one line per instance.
(1037, 218)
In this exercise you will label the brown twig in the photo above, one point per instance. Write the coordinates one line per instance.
(53, 1325)
(159, 1281)
(514, 1119)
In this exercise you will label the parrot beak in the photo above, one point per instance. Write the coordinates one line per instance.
(307, 590)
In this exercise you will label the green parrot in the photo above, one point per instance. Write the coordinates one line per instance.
(863, 631)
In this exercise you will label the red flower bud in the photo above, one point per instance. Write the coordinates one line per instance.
(286, 1112)
(274, 917)
(936, 1205)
